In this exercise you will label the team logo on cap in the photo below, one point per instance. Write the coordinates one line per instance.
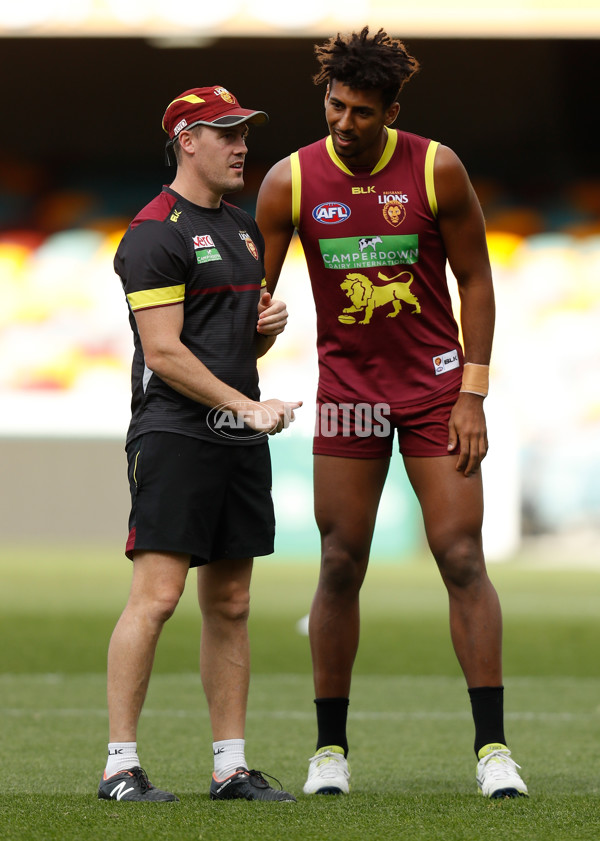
(224, 94)
(331, 212)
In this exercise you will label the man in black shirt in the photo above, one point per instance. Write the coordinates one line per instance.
(192, 270)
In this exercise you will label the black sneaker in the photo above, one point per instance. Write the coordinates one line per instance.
(132, 784)
(247, 785)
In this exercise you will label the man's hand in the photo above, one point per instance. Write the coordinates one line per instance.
(272, 316)
(272, 415)
(467, 430)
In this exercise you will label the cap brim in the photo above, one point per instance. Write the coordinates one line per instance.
(254, 117)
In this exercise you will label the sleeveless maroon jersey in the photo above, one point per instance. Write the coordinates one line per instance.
(385, 327)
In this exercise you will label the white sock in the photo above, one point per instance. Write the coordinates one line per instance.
(228, 756)
(121, 756)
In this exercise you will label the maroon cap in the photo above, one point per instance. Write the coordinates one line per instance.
(213, 106)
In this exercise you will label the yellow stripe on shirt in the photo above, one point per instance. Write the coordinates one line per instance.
(333, 155)
(390, 146)
(162, 297)
(296, 187)
(429, 181)
(388, 151)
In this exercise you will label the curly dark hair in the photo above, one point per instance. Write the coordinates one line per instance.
(364, 62)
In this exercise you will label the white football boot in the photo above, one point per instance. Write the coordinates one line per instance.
(328, 772)
(497, 774)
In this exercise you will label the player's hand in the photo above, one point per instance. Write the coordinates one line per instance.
(275, 415)
(467, 432)
(272, 315)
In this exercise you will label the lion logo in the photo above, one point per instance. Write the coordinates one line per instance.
(394, 212)
(366, 297)
(225, 95)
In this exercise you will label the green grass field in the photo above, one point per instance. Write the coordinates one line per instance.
(410, 726)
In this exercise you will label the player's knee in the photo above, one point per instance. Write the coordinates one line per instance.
(461, 563)
(161, 606)
(236, 609)
(341, 571)
(231, 605)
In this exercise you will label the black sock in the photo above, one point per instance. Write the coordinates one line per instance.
(487, 704)
(332, 714)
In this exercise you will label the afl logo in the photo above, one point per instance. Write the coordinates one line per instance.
(331, 212)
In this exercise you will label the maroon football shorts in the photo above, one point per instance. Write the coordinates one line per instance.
(367, 430)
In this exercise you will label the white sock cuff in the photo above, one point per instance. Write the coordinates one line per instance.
(121, 756)
(228, 755)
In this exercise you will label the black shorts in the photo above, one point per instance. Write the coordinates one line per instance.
(206, 500)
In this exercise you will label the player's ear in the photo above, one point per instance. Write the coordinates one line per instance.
(186, 140)
(326, 94)
(392, 113)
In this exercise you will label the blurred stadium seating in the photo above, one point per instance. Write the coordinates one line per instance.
(65, 345)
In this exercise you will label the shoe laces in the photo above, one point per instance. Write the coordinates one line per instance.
(495, 763)
(328, 763)
(141, 778)
(259, 776)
